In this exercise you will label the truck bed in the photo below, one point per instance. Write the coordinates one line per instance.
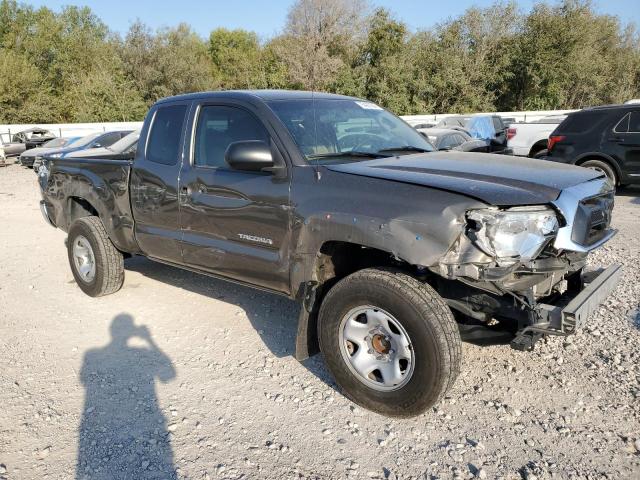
(100, 186)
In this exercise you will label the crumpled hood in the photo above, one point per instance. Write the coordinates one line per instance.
(500, 180)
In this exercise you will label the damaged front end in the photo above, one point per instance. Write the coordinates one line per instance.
(521, 269)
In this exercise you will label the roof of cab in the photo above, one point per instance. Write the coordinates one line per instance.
(265, 95)
(622, 106)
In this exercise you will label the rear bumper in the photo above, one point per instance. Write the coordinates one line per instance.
(570, 312)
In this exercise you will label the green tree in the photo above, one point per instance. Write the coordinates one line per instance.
(23, 91)
(237, 59)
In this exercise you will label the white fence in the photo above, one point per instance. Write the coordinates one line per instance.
(528, 116)
(80, 129)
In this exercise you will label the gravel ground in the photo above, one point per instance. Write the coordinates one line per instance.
(182, 376)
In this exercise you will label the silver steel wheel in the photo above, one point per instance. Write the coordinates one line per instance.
(84, 259)
(376, 348)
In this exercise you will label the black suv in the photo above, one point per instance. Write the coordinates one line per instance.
(604, 138)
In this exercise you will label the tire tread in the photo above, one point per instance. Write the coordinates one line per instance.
(112, 261)
(431, 306)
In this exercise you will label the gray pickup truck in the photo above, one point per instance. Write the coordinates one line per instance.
(394, 251)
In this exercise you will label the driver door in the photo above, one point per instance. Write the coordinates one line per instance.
(234, 223)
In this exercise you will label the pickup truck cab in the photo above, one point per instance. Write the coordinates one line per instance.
(393, 250)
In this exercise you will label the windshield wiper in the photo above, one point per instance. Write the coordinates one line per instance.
(355, 154)
(404, 148)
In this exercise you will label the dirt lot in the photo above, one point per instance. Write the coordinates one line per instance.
(182, 376)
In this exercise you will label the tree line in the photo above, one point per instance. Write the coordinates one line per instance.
(68, 66)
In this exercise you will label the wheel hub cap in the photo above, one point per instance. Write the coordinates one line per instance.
(376, 348)
(380, 343)
(84, 259)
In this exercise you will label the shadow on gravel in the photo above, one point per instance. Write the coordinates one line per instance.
(273, 316)
(123, 433)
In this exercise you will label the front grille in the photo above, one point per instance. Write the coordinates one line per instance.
(593, 218)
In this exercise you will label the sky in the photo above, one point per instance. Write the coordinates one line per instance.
(267, 17)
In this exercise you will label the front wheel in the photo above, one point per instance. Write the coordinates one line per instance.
(96, 264)
(390, 341)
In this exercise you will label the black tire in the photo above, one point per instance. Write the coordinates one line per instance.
(603, 167)
(109, 262)
(540, 154)
(424, 315)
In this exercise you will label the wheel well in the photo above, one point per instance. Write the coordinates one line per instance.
(334, 261)
(612, 164)
(337, 259)
(79, 208)
(537, 147)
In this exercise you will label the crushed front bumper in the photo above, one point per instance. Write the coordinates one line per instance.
(570, 311)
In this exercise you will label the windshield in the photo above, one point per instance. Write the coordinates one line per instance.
(56, 142)
(346, 130)
(125, 142)
(84, 140)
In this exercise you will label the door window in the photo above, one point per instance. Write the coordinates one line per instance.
(218, 127)
(164, 138)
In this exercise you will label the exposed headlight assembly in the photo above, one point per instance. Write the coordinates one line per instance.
(512, 235)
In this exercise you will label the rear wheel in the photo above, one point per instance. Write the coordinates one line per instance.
(540, 154)
(602, 167)
(390, 341)
(96, 264)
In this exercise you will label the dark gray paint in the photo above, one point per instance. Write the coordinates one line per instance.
(266, 229)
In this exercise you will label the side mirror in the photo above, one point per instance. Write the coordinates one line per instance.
(249, 156)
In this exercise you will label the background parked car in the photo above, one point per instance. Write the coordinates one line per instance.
(28, 157)
(123, 149)
(507, 121)
(604, 138)
(489, 128)
(529, 139)
(450, 139)
(424, 125)
(94, 140)
(454, 121)
(31, 138)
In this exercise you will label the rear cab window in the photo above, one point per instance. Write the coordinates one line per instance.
(164, 137)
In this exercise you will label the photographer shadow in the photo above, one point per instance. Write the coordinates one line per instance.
(123, 432)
